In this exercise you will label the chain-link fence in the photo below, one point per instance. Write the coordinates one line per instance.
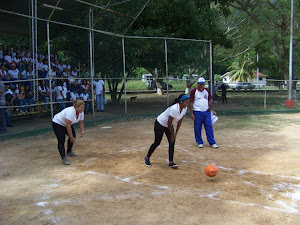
(51, 56)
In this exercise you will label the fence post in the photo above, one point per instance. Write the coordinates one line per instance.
(167, 72)
(49, 69)
(91, 58)
(124, 72)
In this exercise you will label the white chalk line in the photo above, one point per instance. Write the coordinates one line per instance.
(295, 196)
(247, 146)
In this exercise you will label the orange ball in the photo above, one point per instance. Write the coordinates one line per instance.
(211, 170)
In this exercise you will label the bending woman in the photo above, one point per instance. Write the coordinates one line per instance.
(164, 124)
(62, 124)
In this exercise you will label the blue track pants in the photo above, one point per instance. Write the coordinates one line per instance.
(203, 118)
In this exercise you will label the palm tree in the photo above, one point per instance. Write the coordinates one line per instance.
(242, 69)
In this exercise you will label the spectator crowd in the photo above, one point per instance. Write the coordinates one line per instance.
(18, 73)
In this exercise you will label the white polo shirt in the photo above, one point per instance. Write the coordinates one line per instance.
(173, 111)
(68, 113)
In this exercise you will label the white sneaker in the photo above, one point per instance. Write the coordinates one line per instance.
(214, 146)
(200, 145)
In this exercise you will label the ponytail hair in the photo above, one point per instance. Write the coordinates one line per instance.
(177, 100)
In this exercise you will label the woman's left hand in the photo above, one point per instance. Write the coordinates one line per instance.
(82, 133)
(173, 137)
(214, 112)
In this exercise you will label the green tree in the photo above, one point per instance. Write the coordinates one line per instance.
(272, 21)
(242, 69)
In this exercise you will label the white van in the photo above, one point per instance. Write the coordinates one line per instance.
(146, 77)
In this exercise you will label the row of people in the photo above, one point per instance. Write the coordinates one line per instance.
(62, 91)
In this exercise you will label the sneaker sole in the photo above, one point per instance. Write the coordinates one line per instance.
(173, 167)
(147, 165)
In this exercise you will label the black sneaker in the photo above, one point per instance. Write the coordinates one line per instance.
(71, 154)
(147, 161)
(173, 165)
(65, 161)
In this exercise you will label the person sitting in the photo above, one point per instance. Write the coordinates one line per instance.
(29, 98)
(3, 73)
(13, 73)
(20, 98)
(74, 95)
(44, 93)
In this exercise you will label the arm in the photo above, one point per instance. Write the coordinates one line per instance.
(81, 126)
(69, 130)
(191, 110)
(212, 107)
(178, 126)
(170, 127)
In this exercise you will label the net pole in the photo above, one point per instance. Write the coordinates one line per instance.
(91, 58)
(49, 68)
(124, 73)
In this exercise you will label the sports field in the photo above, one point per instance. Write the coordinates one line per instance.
(107, 183)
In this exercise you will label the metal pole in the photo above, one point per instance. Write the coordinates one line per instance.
(91, 59)
(211, 68)
(257, 71)
(36, 40)
(49, 69)
(291, 51)
(167, 72)
(124, 73)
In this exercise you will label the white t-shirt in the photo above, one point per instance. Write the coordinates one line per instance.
(8, 59)
(14, 73)
(173, 111)
(84, 96)
(99, 86)
(68, 113)
(74, 96)
(43, 90)
(201, 101)
(58, 90)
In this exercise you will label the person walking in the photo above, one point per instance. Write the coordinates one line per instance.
(164, 124)
(100, 93)
(200, 103)
(62, 124)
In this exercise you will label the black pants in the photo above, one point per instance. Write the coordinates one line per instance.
(61, 132)
(224, 98)
(159, 131)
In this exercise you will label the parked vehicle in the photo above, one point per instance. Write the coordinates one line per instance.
(242, 85)
(147, 76)
(151, 85)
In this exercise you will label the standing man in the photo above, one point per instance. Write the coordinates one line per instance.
(100, 93)
(200, 103)
(224, 93)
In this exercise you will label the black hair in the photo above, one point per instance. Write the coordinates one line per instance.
(176, 100)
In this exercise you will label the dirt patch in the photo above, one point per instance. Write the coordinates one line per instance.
(107, 183)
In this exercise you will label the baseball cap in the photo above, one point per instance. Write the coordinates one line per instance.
(201, 80)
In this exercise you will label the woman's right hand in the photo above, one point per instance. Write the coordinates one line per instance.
(72, 139)
(192, 116)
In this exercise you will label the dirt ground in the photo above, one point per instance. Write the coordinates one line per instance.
(107, 183)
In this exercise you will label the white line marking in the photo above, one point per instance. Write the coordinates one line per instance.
(106, 127)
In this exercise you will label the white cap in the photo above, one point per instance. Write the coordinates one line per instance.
(201, 80)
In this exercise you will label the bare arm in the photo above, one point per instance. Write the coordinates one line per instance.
(191, 111)
(81, 126)
(69, 130)
(212, 107)
(178, 125)
(170, 127)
